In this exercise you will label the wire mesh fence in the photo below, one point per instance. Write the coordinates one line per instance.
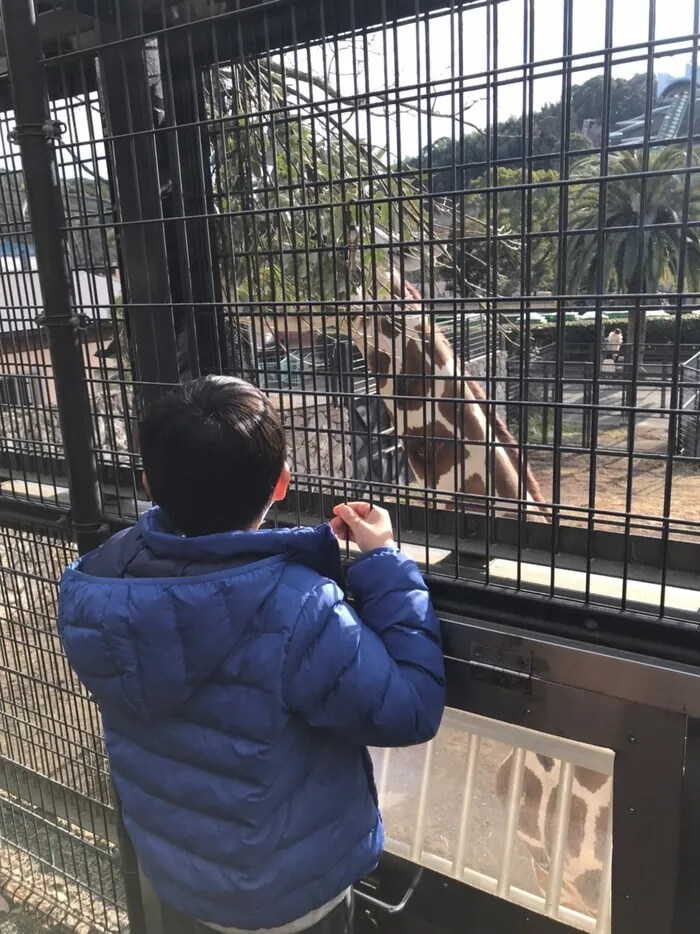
(57, 824)
(377, 215)
(458, 245)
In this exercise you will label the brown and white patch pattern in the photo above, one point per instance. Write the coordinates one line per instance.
(454, 440)
(587, 825)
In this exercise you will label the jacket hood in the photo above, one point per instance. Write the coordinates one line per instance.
(150, 642)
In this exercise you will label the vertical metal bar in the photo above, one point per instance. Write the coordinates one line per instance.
(134, 162)
(676, 401)
(422, 813)
(515, 788)
(35, 137)
(490, 178)
(132, 878)
(561, 830)
(638, 287)
(524, 371)
(560, 409)
(467, 799)
(384, 778)
(605, 895)
(193, 266)
(599, 288)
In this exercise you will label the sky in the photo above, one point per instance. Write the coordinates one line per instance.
(433, 55)
(449, 46)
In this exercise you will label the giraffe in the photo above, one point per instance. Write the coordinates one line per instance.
(587, 827)
(442, 418)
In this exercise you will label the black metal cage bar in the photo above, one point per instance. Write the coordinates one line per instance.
(457, 243)
(267, 189)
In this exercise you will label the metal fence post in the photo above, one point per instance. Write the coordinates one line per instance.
(133, 158)
(35, 133)
(128, 859)
(193, 258)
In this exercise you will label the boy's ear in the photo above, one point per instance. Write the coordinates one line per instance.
(144, 480)
(280, 490)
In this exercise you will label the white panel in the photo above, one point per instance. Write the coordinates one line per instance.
(442, 809)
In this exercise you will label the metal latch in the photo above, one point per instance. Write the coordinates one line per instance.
(499, 666)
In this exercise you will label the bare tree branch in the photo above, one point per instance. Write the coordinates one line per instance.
(383, 97)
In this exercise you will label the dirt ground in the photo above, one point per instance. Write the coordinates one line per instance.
(445, 796)
(645, 498)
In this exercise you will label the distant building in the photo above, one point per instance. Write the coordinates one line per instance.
(17, 254)
(668, 119)
(663, 80)
(21, 301)
(592, 130)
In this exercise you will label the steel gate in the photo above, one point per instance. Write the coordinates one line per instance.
(377, 211)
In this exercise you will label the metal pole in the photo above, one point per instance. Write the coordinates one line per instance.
(135, 908)
(125, 81)
(192, 255)
(35, 133)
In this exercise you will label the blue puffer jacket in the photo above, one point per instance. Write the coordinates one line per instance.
(238, 692)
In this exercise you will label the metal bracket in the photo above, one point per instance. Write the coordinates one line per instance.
(50, 130)
(77, 320)
(501, 667)
(387, 906)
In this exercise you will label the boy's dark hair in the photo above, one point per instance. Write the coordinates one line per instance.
(213, 452)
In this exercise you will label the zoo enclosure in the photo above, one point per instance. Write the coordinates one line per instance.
(237, 191)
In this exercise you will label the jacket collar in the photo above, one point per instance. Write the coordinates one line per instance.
(315, 548)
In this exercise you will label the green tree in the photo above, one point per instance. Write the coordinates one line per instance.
(627, 99)
(640, 251)
(527, 219)
(311, 213)
(311, 220)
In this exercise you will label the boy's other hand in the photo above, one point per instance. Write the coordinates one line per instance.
(367, 525)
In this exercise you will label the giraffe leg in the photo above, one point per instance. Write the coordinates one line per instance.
(541, 875)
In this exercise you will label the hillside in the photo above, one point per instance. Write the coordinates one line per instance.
(541, 143)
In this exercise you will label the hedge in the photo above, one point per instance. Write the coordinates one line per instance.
(659, 331)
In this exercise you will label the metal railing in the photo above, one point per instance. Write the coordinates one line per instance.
(575, 385)
(688, 442)
(473, 748)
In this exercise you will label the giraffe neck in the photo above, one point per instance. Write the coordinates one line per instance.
(441, 416)
(587, 828)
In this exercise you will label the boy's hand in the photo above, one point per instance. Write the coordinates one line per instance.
(367, 525)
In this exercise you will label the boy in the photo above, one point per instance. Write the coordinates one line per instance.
(238, 689)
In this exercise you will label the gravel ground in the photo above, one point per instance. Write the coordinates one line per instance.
(14, 919)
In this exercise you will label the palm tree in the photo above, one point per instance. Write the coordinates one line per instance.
(640, 254)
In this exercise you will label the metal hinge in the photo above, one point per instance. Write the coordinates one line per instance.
(501, 667)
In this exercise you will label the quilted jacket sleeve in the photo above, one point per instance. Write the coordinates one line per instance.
(377, 678)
